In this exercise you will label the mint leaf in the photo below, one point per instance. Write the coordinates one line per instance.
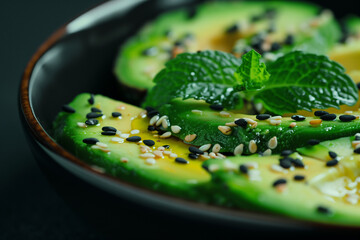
(206, 75)
(251, 74)
(304, 81)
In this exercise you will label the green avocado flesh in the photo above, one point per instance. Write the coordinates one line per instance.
(236, 27)
(196, 117)
(320, 192)
(125, 159)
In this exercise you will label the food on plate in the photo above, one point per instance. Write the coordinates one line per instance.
(258, 110)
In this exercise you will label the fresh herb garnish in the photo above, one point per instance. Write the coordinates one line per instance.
(295, 81)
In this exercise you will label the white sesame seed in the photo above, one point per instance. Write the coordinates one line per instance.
(173, 155)
(274, 122)
(161, 148)
(292, 125)
(165, 123)
(216, 148)
(202, 156)
(197, 111)
(124, 135)
(229, 166)
(135, 131)
(117, 140)
(348, 112)
(165, 135)
(121, 107)
(150, 161)
(154, 119)
(267, 152)
(252, 146)
(118, 132)
(144, 149)
(175, 129)
(272, 144)
(147, 155)
(225, 114)
(225, 129)
(275, 118)
(253, 125)
(250, 121)
(158, 154)
(205, 147)
(220, 155)
(167, 152)
(239, 149)
(102, 145)
(81, 124)
(159, 122)
(277, 168)
(190, 137)
(142, 114)
(212, 155)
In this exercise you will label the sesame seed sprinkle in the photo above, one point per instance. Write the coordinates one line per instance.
(165, 135)
(175, 129)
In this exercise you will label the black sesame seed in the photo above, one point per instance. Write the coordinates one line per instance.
(181, 160)
(232, 29)
(151, 128)
(358, 86)
(93, 115)
(275, 46)
(241, 122)
(116, 114)
(195, 150)
(313, 142)
(357, 150)
(298, 163)
(94, 109)
(320, 113)
(286, 162)
(193, 156)
(108, 133)
(332, 154)
(357, 137)
(90, 140)
(299, 177)
(91, 100)
(263, 116)
(332, 163)
(166, 146)
(152, 113)
(216, 107)
(328, 117)
(298, 118)
(149, 142)
(286, 153)
(133, 139)
(347, 118)
(323, 209)
(243, 168)
(289, 40)
(108, 128)
(68, 109)
(279, 181)
(91, 122)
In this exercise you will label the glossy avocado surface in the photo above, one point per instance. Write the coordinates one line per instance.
(322, 188)
(114, 137)
(236, 27)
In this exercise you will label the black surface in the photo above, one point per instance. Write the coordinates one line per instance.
(29, 207)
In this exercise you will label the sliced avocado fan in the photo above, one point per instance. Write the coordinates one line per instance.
(115, 138)
(236, 27)
(197, 123)
(322, 189)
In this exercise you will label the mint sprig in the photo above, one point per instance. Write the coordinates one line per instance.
(206, 75)
(295, 81)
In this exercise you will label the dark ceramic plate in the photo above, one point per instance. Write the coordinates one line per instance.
(78, 58)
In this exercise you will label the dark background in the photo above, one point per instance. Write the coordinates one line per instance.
(29, 207)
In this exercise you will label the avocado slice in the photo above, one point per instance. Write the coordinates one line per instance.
(201, 125)
(314, 191)
(85, 128)
(275, 27)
